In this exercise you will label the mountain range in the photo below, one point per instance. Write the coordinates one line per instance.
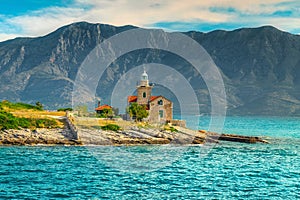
(260, 67)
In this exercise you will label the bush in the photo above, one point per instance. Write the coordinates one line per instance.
(24, 123)
(65, 109)
(106, 113)
(172, 129)
(111, 127)
(8, 121)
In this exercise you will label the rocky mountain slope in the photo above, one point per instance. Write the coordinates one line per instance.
(260, 67)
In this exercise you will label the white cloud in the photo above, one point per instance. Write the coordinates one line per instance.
(46, 20)
(148, 12)
(4, 36)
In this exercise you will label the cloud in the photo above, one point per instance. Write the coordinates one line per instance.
(5, 37)
(175, 15)
(45, 20)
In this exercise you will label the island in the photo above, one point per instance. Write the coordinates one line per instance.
(25, 124)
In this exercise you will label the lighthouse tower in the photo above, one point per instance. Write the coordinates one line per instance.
(144, 90)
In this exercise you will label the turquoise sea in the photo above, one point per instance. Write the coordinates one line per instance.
(225, 171)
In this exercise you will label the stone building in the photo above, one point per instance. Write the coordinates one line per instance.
(160, 108)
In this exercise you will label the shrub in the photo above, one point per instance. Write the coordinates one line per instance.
(24, 123)
(39, 105)
(172, 129)
(106, 113)
(8, 121)
(65, 109)
(111, 127)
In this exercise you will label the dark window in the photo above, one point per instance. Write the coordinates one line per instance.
(160, 102)
(161, 113)
(144, 95)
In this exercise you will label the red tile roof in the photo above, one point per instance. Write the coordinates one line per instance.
(132, 99)
(103, 107)
(153, 98)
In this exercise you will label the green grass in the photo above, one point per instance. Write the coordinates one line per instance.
(9, 121)
(18, 106)
(172, 129)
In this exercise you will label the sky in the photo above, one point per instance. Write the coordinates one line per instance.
(31, 18)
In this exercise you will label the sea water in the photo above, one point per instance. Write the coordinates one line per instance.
(223, 171)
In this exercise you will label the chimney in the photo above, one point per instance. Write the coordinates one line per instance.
(99, 103)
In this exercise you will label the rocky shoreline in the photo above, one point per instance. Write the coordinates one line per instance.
(132, 136)
(38, 137)
(136, 136)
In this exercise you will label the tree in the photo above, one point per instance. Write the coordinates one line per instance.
(137, 111)
(39, 105)
(106, 113)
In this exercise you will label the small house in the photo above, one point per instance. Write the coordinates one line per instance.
(103, 109)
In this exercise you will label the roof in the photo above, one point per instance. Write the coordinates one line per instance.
(152, 98)
(155, 97)
(105, 106)
(132, 99)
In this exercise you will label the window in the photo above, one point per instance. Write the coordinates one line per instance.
(161, 113)
(144, 94)
(144, 77)
(160, 102)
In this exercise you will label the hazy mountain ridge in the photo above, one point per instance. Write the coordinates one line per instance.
(260, 66)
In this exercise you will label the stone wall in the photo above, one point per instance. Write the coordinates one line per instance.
(166, 108)
(177, 122)
(72, 127)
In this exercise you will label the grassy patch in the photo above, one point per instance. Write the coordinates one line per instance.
(170, 128)
(9, 121)
(19, 106)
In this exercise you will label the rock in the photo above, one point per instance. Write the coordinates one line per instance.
(34, 137)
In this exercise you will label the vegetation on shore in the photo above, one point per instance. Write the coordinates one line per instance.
(20, 106)
(22, 115)
(64, 109)
(106, 113)
(111, 127)
(9, 121)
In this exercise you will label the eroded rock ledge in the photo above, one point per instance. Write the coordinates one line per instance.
(135, 136)
(132, 136)
(37, 137)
